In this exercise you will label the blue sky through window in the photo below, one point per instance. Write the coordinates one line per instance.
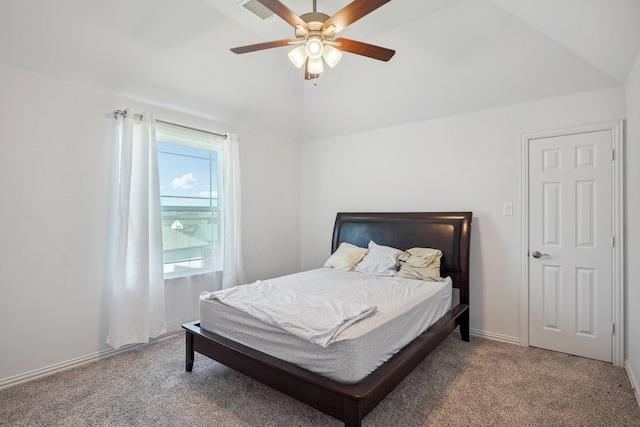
(188, 175)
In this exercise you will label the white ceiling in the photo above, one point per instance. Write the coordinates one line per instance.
(452, 57)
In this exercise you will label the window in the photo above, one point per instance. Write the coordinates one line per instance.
(190, 197)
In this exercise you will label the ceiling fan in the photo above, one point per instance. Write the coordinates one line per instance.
(314, 35)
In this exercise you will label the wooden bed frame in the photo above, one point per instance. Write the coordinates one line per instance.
(447, 231)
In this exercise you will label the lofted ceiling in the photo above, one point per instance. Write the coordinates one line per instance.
(452, 57)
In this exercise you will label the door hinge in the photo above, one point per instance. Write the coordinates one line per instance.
(613, 329)
(613, 154)
(613, 241)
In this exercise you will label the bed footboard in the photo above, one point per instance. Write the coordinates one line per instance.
(346, 402)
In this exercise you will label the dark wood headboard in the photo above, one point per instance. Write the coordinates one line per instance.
(448, 231)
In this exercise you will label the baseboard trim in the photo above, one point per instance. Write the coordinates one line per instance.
(63, 366)
(39, 373)
(633, 381)
(495, 337)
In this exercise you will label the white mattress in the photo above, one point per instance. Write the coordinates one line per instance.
(406, 308)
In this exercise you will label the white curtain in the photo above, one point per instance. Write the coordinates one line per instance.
(233, 267)
(137, 306)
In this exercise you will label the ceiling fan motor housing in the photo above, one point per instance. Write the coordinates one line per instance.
(315, 23)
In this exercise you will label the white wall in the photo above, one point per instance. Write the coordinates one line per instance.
(632, 338)
(55, 161)
(470, 162)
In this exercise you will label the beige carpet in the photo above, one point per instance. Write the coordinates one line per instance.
(482, 383)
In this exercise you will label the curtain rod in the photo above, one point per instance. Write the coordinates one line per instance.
(123, 113)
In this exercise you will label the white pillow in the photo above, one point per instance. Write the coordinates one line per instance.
(346, 257)
(381, 260)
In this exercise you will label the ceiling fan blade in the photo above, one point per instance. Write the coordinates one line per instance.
(262, 46)
(351, 13)
(283, 12)
(364, 49)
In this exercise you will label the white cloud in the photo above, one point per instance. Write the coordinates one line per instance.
(187, 181)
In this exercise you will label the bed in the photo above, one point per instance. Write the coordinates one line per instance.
(350, 402)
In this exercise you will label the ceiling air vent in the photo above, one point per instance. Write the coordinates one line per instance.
(256, 8)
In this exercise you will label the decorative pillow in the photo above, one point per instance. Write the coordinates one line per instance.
(420, 263)
(381, 260)
(346, 257)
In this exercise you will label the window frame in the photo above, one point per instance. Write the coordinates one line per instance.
(170, 133)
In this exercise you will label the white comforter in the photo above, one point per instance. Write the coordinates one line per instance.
(316, 319)
(405, 308)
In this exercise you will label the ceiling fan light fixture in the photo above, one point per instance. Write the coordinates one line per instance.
(298, 56)
(331, 55)
(315, 66)
(314, 47)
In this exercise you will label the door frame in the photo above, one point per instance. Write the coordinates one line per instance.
(617, 262)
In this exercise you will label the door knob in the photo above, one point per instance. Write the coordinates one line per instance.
(537, 254)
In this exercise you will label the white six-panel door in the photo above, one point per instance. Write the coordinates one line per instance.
(571, 243)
